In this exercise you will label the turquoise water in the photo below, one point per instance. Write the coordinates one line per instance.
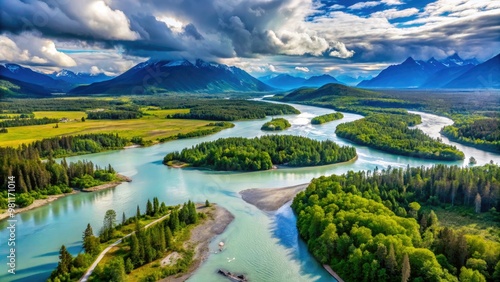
(264, 246)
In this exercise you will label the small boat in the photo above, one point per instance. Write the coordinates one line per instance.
(233, 276)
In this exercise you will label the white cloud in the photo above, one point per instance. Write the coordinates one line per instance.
(337, 7)
(49, 51)
(392, 2)
(362, 5)
(394, 13)
(272, 68)
(304, 69)
(106, 22)
(172, 23)
(41, 52)
(340, 51)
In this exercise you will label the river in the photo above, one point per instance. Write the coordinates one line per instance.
(266, 247)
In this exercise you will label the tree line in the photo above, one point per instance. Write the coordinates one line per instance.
(369, 226)
(390, 133)
(27, 121)
(63, 146)
(483, 132)
(260, 153)
(327, 118)
(114, 114)
(276, 124)
(36, 179)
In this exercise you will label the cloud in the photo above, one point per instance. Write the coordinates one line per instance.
(392, 2)
(37, 51)
(394, 13)
(340, 51)
(337, 7)
(272, 68)
(304, 69)
(362, 5)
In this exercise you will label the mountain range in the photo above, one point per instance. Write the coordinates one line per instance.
(452, 72)
(156, 76)
(159, 76)
(287, 82)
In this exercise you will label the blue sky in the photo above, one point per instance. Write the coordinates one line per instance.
(305, 37)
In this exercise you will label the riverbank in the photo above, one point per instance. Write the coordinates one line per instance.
(218, 218)
(50, 198)
(271, 199)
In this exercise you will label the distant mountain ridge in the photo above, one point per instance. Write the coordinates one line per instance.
(287, 82)
(452, 72)
(79, 77)
(156, 76)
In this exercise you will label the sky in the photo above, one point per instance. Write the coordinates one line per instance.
(300, 37)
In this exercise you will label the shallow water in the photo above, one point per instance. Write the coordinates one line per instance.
(264, 246)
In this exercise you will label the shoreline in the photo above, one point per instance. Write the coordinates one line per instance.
(201, 236)
(271, 199)
(50, 198)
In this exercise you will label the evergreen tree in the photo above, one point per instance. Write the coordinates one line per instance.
(168, 238)
(124, 219)
(156, 205)
(477, 203)
(207, 203)
(406, 270)
(138, 213)
(65, 261)
(390, 262)
(149, 208)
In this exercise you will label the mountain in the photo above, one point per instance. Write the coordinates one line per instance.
(22, 74)
(10, 87)
(409, 74)
(320, 80)
(445, 76)
(156, 76)
(421, 74)
(485, 75)
(79, 78)
(352, 81)
(455, 61)
(286, 81)
(332, 90)
(283, 81)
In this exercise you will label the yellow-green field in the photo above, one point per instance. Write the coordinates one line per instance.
(149, 127)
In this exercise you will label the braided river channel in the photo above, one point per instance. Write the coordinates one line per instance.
(264, 246)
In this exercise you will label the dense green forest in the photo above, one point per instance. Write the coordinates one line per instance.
(114, 114)
(36, 179)
(230, 110)
(480, 132)
(276, 124)
(327, 118)
(369, 226)
(64, 146)
(26, 121)
(142, 247)
(243, 154)
(57, 104)
(390, 133)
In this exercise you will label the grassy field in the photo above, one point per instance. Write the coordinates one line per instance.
(465, 219)
(149, 127)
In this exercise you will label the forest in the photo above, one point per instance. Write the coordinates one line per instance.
(390, 133)
(230, 110)
(26, 121)
(479, 132)
(65, 146)
(369, 226)
(276, 124)
(261, 153)
(327, 118)
(113, 114)
(36, 179)
(143, 247)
